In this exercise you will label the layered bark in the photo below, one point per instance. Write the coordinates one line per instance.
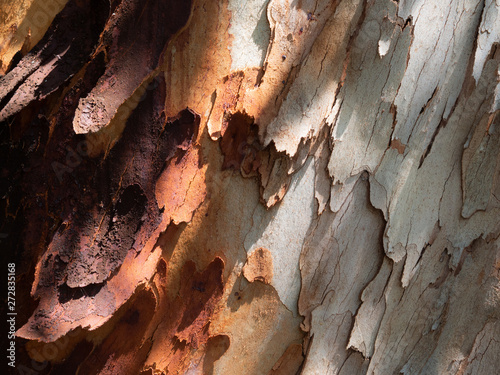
(257, 187)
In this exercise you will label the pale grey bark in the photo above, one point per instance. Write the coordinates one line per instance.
(376, 201)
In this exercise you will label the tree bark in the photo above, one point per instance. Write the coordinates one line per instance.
(253, 187)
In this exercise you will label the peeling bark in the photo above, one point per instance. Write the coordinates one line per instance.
(254, 187)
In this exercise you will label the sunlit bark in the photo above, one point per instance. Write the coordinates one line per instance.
(255, 187)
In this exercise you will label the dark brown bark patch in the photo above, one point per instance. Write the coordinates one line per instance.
(61, 53)
(117, 211)
(243, 151)
(107, 209)
(239, 140)
(183, 321)
(134, 38)
(124, 350)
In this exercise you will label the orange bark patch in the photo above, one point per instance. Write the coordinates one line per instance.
(397, 145)
(124, 349)
(259, 266)
(180, 189)
(22, 27)
(230, 98)
(197, 59)
(252, 314)
(290, 361)
(227, 98)
(216, 347)
(183, 321)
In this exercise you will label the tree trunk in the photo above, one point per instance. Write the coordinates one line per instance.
(252, 187)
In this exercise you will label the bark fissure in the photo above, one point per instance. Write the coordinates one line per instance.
(306, 186)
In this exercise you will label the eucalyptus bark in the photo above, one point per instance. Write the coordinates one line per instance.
(253, 187)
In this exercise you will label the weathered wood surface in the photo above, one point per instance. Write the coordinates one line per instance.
(255, 187)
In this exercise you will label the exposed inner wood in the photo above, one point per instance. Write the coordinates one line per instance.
(252, 187)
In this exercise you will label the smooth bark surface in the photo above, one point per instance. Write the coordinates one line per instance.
(254, 187)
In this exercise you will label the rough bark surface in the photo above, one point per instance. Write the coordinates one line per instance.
(253, 187)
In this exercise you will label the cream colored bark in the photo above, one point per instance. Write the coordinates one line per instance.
(397, 245)
(358, 218)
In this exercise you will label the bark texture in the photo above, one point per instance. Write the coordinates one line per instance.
(253, 187)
